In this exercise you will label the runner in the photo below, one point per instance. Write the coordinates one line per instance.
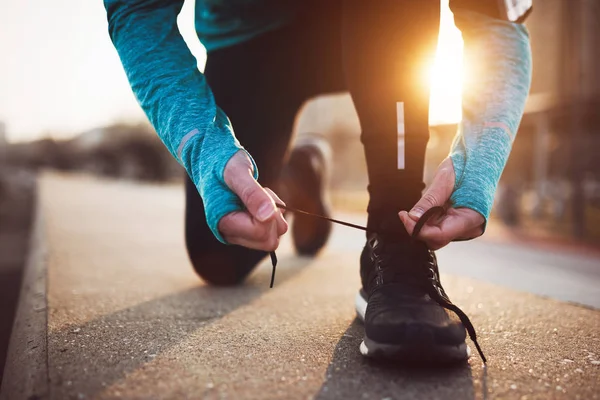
(268, 57)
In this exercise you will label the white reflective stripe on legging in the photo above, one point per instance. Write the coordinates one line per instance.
(184, 140)
(400, 117)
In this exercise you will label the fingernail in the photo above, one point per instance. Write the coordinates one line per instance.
(265, 211)
(416, 213)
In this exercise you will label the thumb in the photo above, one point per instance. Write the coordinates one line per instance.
(432, 197)
(238, 176)
(438, 193)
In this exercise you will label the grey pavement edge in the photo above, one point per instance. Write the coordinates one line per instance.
(26, 372)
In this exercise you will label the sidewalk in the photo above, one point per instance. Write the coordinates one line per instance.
(536, 236)
(126, 317)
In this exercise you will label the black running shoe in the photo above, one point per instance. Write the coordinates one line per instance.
(304, 180)
(403, 305)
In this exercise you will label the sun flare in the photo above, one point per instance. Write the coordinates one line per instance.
(446, 73)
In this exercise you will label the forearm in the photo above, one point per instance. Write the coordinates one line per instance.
(175, 96)
(497, 85)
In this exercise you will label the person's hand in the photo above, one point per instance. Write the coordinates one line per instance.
(261, 224)
(456, 223)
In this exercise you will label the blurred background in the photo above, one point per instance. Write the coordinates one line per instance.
(65, 104)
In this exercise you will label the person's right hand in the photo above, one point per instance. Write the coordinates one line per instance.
(261, 224)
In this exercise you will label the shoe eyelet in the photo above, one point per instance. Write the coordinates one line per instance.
(432, 275)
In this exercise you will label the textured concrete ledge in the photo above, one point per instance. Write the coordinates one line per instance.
(26, 369)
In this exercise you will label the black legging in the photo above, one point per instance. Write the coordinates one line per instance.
(377, 51)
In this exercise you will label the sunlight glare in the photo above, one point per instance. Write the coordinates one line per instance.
(446, 73)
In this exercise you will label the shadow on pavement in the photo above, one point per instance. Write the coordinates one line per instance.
(104, 350)
(351, 376)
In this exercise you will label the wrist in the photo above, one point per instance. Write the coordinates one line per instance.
(476, 193)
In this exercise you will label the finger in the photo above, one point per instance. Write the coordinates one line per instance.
(241, 224)
(438, 236)
(256, 199)
(454, 226)
(438, 193)
(408, 222)
(430, 234)
(474, 221)
(472, 234)
(269, 243)
(282, 225)
(276, 198)
(273, 240)
(250, 244)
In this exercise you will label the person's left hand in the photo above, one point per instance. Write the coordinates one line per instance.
(455, 223)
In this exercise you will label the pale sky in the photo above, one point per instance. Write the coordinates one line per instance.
(60, 74)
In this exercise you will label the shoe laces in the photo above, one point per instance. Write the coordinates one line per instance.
(399, 259)
(425, 269)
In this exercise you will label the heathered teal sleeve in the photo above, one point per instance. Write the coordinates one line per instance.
(176, 98)
(496, 88)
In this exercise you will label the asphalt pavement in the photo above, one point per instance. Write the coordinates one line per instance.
(126, 317)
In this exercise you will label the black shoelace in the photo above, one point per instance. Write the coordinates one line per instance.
(435, 289)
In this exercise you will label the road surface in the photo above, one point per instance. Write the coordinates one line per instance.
(128, 318)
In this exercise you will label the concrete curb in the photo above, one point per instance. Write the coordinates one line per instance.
(26, 371)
